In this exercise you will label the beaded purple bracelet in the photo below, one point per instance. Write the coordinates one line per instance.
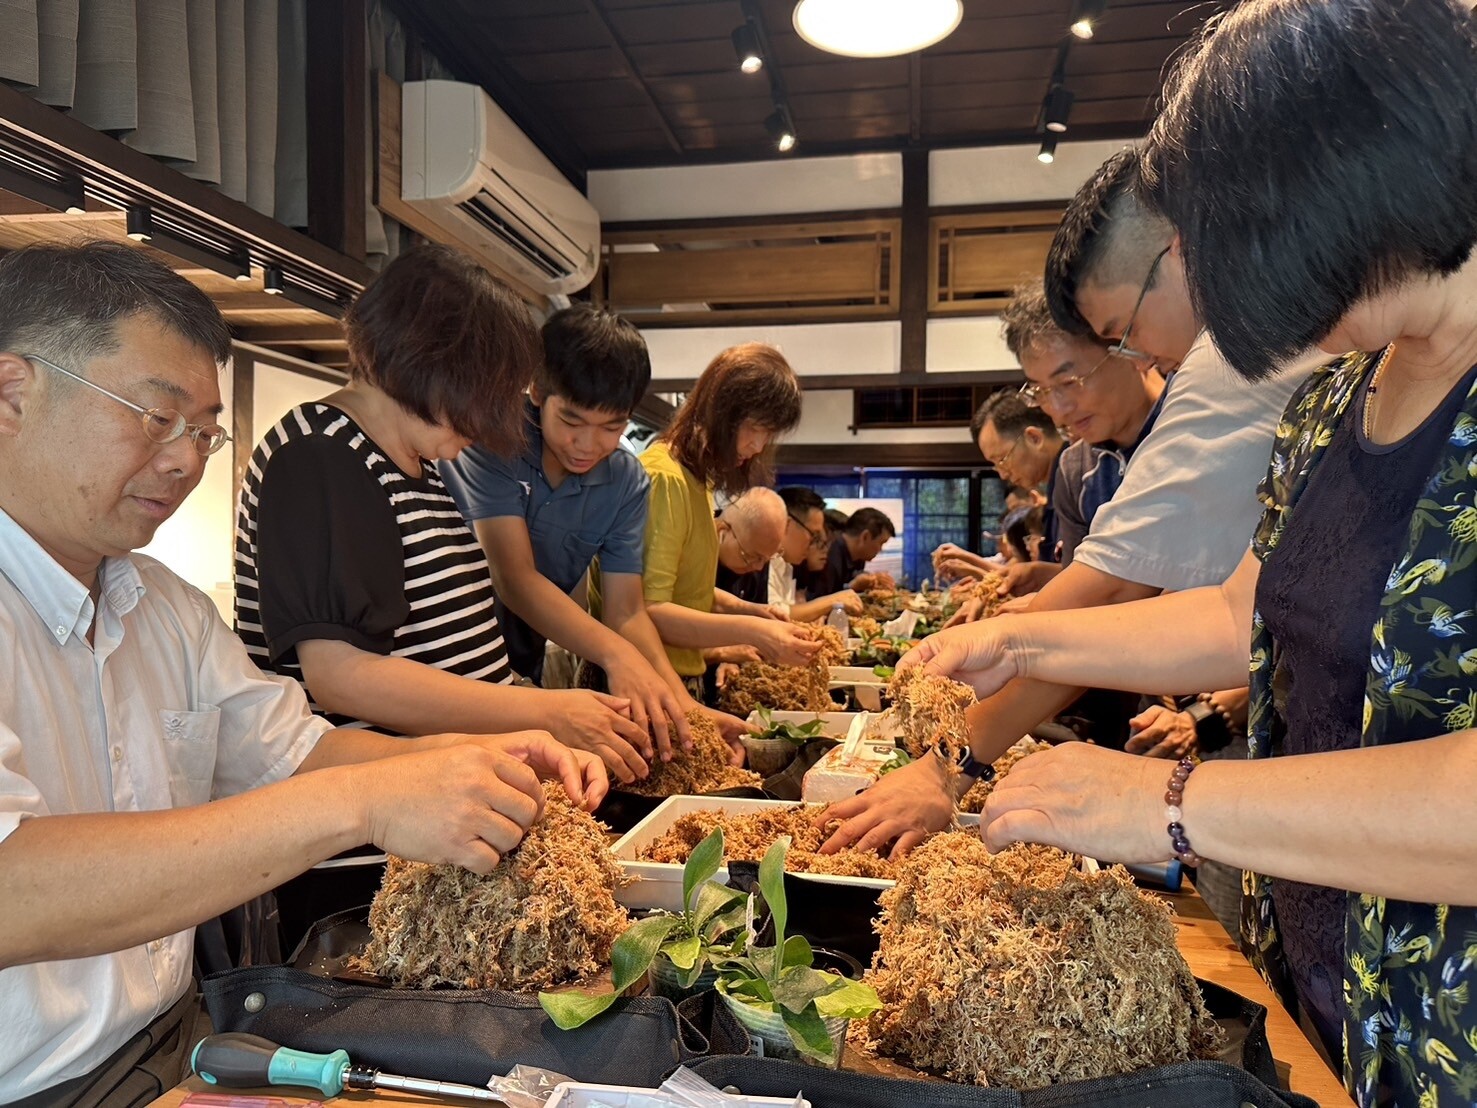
(1175, 797)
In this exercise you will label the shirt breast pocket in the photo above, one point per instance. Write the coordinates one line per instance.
(190, 750)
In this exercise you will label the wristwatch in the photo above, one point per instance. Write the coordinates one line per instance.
(1210, 727)
(971, 766)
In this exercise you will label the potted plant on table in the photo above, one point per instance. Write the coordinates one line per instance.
(773, 745)
(678, 951)
(795, 1010)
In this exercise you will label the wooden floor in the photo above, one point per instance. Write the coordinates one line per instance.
(1206, 946)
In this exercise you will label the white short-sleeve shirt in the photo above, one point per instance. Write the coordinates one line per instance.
(163, 710)
(1186, 510)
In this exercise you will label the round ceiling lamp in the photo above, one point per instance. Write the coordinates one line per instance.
(876, 28)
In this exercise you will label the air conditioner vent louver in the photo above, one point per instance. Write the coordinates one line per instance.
(488, 216)
(469, 169)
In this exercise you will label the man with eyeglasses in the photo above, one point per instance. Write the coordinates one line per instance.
(1185, 511)
(751, 530)
(805, 533)
(151, 777)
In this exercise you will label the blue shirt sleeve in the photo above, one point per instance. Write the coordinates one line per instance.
(623, 548)
(484, 485)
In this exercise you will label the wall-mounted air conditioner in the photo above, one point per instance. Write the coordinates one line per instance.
(469, 168)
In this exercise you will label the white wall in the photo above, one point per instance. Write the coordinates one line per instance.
(826, 419)
(849, 183)
(810, 348)
(197, 542)
(277, 391)
(1011, 174)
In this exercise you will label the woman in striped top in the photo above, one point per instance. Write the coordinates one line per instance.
(355, 573)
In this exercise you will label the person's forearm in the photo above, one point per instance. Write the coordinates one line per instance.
(81, 885)
(689, 629)
(554, 614)
(726, 604)
(1176, 644)
(637, 628)
(1001, 721)
(417, 699)
(1394, 821)
(818, 608)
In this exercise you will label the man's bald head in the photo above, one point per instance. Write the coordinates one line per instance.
(751, 529)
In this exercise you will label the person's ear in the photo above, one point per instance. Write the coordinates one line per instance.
(1175, 247)
(1034, 437)
(536, 394)
(17, 391)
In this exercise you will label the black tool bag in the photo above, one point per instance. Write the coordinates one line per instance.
(1182, 1085)
(455, 1034)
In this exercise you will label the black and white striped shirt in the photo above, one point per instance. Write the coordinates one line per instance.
(333, 541)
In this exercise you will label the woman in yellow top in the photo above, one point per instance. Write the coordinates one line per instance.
(719, 439)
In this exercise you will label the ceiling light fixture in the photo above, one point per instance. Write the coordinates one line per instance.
(272, 280)
(140, 225)
(781, 128)
(876, 28)
(1086, 17)
(1047, 154)
(1055, 109)
(746, 48)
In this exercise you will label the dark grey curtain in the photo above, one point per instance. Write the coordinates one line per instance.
(191, 82)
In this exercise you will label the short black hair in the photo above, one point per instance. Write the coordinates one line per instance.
(1026, 320)
(836, 520)
(448, 342)
(1011, 416)
(64, 301)
(870, 521)
(799, 499)
(594, 359)
(1314, 153)
(1107, 235)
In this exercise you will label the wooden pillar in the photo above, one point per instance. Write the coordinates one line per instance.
(338, 77)
(913, 278)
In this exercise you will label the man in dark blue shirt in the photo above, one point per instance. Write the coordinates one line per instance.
(572, 495)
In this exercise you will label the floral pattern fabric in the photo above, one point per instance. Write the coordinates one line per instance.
(1410, 970)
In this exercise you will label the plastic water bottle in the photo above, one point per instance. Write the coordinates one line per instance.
(838, 622)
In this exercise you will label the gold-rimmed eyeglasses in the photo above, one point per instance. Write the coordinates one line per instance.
(161, 425)
(1036, 395)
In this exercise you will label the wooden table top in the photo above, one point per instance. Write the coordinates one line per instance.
(1210, 952)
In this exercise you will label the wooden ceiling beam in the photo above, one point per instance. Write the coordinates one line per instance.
(288, 334)
(593, 7)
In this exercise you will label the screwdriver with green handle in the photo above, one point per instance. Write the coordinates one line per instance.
(240, 1061)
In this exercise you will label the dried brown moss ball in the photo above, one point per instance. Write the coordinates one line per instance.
(545, 916)
(703, 769)
(1018, 970)
(930, 711)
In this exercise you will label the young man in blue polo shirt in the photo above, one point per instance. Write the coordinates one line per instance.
(573, 495)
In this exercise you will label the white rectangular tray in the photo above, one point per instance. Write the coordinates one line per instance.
(659, 884)
(570, 1094)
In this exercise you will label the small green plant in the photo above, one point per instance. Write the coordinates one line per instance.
(897, 760)
(708, 927)
(780, 979)
(884, 672)
(797, 733)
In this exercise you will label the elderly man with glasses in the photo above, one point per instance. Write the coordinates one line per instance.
(151, 777)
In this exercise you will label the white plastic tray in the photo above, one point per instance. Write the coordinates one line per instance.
(659, 884)
(570, 1094)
